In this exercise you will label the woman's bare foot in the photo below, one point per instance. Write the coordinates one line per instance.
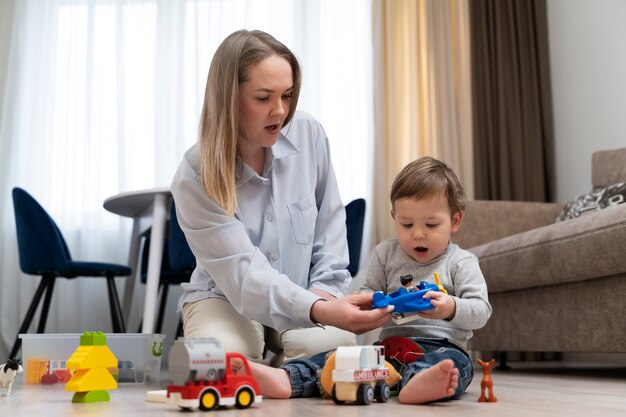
(274, 382)
(432, 384)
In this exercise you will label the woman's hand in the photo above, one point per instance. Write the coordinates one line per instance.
(324, 294)
(353, 313)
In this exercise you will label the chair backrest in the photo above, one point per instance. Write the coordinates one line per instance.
(180, 255)
(41, 246)
(355, 218)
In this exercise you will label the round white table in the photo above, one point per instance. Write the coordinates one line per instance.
(153, 204)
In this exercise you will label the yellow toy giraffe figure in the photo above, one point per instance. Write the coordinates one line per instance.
(487, 384)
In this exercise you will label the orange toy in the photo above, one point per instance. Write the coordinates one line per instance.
(487, 383)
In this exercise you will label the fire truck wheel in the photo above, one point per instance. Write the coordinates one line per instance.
(208, 400)
(334, 396)
(365, 394)
(244, 398)
(382, 392)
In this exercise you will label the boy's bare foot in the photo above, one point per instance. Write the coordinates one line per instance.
(273, 382)
(432, 384)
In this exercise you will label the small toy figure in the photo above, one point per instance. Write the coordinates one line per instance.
(487, 384)
(8, 371)
(406, 281)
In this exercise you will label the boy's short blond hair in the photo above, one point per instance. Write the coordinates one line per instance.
(428, 177)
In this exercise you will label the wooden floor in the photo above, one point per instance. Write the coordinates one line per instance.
(524, 391)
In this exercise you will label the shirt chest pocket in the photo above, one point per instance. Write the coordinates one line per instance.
(303, 215)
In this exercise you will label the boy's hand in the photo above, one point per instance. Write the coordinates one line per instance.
(353, 313)
(445, 306)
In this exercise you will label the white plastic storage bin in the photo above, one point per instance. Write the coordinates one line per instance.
(44, 356)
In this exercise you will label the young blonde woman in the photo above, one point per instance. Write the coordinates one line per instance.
(259, 204)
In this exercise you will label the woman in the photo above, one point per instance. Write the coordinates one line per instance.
(258, 201)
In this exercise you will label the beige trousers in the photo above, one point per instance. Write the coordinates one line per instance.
(215, 317)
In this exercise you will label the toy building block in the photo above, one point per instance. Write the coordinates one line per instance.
(8, 371)
(487, 384)
(35, 370)
(91, 361)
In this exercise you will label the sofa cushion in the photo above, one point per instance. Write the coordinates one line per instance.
(584, 248)
(593, 201)
(608, 167)
(487, 220)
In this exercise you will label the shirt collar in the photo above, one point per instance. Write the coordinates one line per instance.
(281, 149)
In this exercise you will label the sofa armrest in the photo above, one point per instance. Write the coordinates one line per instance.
(485, 221)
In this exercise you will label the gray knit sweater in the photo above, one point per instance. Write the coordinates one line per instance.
(460, 275)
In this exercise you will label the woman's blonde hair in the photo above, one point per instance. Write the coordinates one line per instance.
(219, 121)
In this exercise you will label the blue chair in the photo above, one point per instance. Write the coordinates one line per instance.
(43, 251)
(177, 265)
(355, 218)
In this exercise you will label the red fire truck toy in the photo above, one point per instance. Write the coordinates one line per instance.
(205, 376)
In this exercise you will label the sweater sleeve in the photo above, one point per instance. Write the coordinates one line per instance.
(472, 303)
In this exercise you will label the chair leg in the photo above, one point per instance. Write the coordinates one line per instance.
(116, 309)
(46, 306)
(45, 280)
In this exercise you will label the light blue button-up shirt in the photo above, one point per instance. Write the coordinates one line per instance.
(288, 234)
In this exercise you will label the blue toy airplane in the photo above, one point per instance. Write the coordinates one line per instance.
(409, 300)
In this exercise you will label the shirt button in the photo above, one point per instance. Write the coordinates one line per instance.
(269, 217)
(274, 255)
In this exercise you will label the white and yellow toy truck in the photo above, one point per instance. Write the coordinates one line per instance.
(360, 374)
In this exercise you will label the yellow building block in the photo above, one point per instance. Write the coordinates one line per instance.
(93, 379)
(92, 357)
(35, 369)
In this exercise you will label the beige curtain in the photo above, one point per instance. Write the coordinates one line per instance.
(422, 93)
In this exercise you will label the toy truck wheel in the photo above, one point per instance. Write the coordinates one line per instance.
(333, 394)
(365, 394)
(382, 392)
(244, 398)
(208, 400)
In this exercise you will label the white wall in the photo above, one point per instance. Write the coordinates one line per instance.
(588, 65)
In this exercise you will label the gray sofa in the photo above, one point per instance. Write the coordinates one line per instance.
(554, 287)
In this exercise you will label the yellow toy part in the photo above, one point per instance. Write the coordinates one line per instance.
(326, 377)
(438, 282)
(92, 357)
(94, 379)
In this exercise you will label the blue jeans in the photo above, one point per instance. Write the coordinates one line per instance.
(304, 373)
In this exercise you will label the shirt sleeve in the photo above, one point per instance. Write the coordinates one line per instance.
(472, 303)
(224, 250)
(329, 258)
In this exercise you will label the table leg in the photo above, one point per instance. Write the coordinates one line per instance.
(157, 239)
(133, 261)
